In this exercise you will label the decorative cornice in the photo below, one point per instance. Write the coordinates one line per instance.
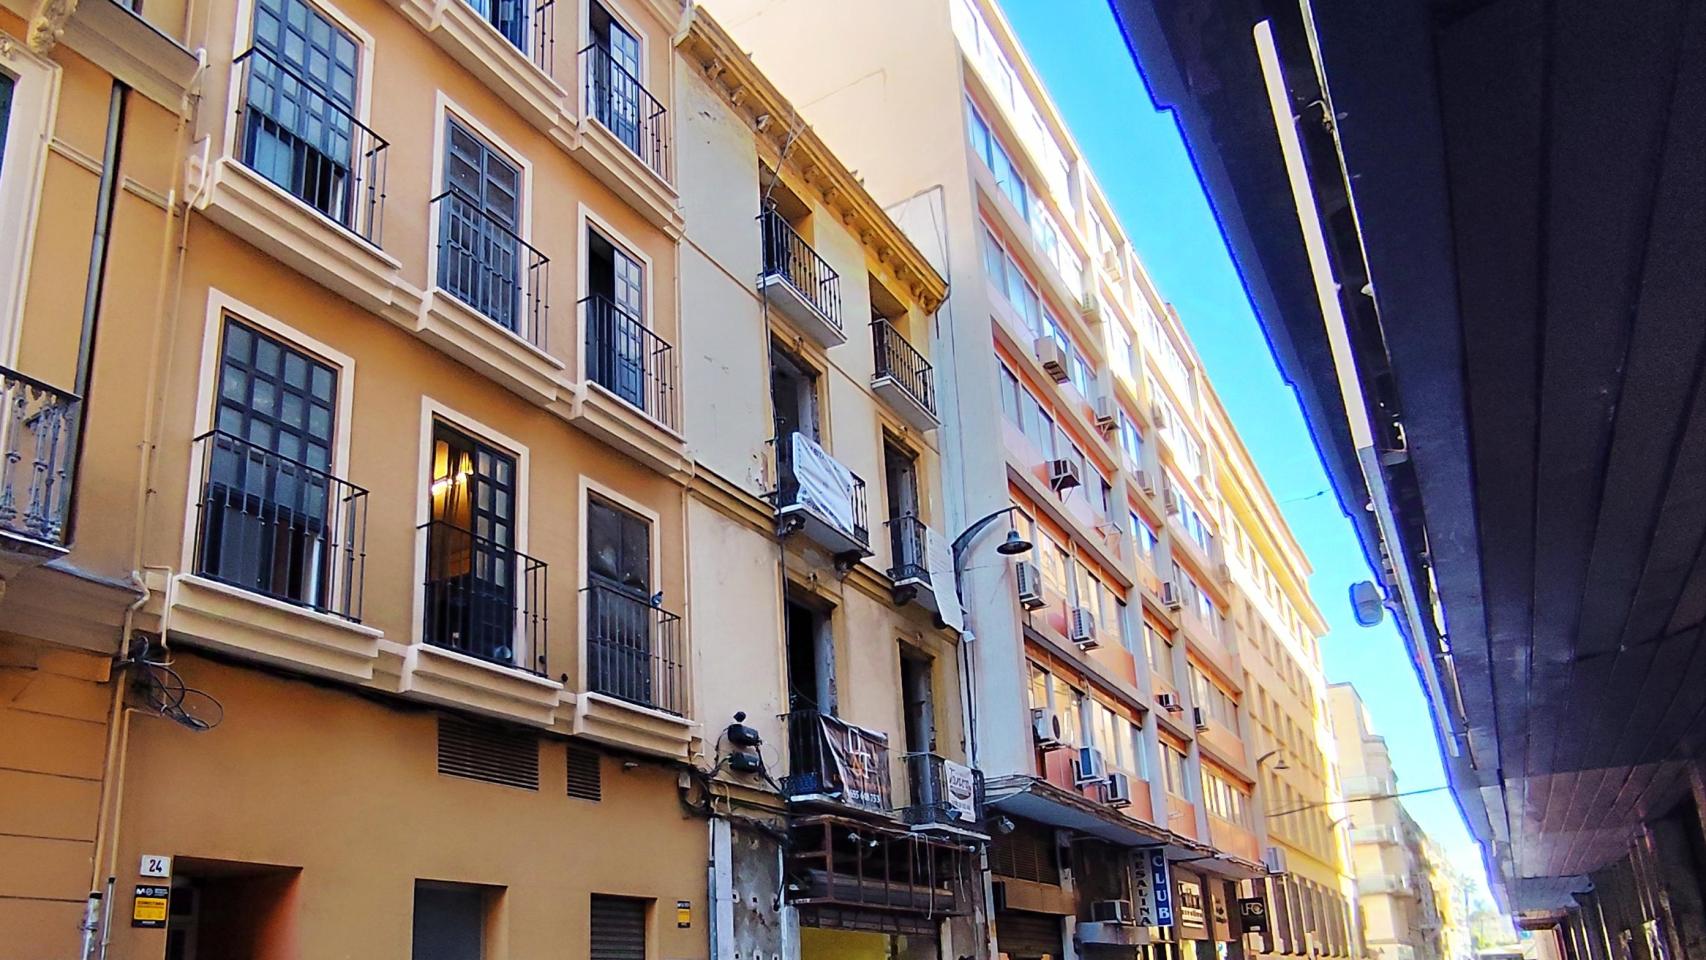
(732, 74)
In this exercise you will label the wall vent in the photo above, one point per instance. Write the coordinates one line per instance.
(586, 779)
(484, 751)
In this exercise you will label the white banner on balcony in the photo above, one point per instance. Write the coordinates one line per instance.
(826, 487)
(939, 559)
(961, 787)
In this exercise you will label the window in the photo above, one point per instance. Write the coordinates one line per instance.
(1174, 772)
(1131, 440)
(1038, 687)
(618, 928)
(1069, 704)
(472, 565)
(617, 97)
(989, 149)
(1011, 394)
(7, 85)
(298, 116)
(450, 921)
(1111, 735)
(479, 260)
(1160, 654)
(268, 514)
(793, 397)
(907, 546)
(619, 613)
(621, 353)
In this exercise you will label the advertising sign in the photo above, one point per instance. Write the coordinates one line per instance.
(961, 787)
(826, 487)
(1253, 914)
(148, 909)
(1191, 913)
(860, 758)
(1152, 901)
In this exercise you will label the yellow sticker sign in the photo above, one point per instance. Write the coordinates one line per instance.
(149, 907)
(683, 913)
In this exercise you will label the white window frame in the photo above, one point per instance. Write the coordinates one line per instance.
(29, 129)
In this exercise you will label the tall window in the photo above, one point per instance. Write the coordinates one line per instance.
(471, 587)
(1174, 774)
(299, 116)
(619, 351)
(479, 244)
(509, 17)
(988, 149)
(619, 633)
(7, 85)
(267, 500)
(616, 89)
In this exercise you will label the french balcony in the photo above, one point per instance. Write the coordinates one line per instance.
(832, 760)
(37, 433)
(486, 266)
(279, 528)
(293, 134)
(942, 793)
(528, 27)
(819, 497)
(909, 562)
(483, 599)
(903, 378)
(799, 283)
(622, 104)
(634, 650)
(628, 359)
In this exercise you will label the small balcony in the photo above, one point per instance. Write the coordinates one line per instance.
(37, 432)
(905, 880)
(909, 562)
(486, 265)
(530, 28)
(483, 599)
(832, 760)
(623, 105)
(634, 651)
(819, 497)
(625, 357)
(942, 793)
(800, 283)
(279, 528)
(293, 133)
(903, 378)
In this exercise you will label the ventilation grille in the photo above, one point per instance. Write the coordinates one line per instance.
(481, 751)
(586, 779)
(618, 928)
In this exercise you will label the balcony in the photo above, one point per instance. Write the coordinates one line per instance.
(1382, 833)
(832, 760)
(530, 29)
(942, 793)
(800, 283)
(625, 108)
(839, 866)
(279, 528)
(909, 562)
(818, 496)
(483, 599)
(488, 267)
(305, 143)
(626, 358)
(903, 378)
(1389, 886)
(634, 651)
(37, 432)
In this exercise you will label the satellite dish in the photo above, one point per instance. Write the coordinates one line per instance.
(1367, 603)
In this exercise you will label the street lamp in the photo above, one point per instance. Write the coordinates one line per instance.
(1013, 546)
(1282, 765)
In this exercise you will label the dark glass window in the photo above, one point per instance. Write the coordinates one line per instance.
(471, 560)
(7, 85)
(480, 248)
(301, 100)
(620, 613)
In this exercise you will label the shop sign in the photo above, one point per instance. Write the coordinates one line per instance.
(1253, 914)
(860, 759)
(1152, 893)
(960, 784)
(1191, 912)
(149, 907)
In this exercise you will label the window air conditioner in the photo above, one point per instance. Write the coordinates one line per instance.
(1117, 791)
(1089, 767)
(1170, 595)
(1144, 482)
(1045, 728)
(1107, 412)
(1030, 585)
(1274, 860)
(1199, 718)
(1169, 702)
(1053, 358)
(1172, 501)
(1081, 628)
(1111, 911)
(1158, 413)
(1062, 475)
(1113, 263)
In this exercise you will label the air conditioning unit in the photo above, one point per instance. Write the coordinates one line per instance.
(1030, 585)
(1172, 501)
(1107, 412)
(1158, 413)
(1045, 728)
(1081, 628)
(1111, 911)
(1169, 702)
(1089, 767)
(1063, 475)
(1144, 482)
(1113, 263)
(1199, 718)
(1274, 860)
(1170, 595)
(1090, 308)
(1117, 791)
(1053, 359)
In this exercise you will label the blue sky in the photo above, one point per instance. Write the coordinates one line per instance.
(1140, 160)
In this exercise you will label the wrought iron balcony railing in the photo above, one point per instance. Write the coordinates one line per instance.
(617, 99)
(530, 28)
(487, 266)
(940, 791)
(901, 362)
(831, 758)
(483, 598)
(908, 559)
(625, 357)
(293, 133)
(633, 650)
(789, 256)
(37, 431)
(279, 528)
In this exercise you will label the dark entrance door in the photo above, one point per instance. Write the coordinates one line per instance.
(471, 557)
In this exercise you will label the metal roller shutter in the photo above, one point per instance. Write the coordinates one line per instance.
(618, 928)
(1022, 934)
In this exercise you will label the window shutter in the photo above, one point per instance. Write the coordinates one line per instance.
(488, 752)
(618, 928)
(586, 780)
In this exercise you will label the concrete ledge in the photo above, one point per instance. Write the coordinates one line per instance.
(232, 620)
(461, 682)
